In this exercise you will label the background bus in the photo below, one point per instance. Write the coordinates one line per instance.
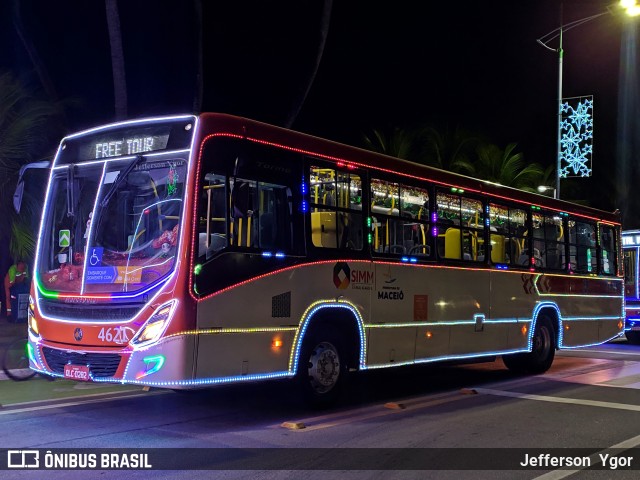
(189, 251)
(631, 248)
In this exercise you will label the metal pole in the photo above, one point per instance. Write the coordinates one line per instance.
(559, 166)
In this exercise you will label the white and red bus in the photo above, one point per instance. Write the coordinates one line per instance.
(190, 251)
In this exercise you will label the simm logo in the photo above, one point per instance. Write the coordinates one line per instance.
(341, 275)
(345, 277)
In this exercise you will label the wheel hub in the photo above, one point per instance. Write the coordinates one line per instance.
(324, 367)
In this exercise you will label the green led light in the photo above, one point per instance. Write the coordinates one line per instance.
(197, 269)
(370, 238)
(45, 293)
(30, 354)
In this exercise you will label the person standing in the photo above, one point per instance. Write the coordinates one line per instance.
(16, 282)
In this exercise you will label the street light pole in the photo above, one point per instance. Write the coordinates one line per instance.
(544, 41)
(556, 192)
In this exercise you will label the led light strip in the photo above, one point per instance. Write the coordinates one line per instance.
(446, 267)
(307, 316)
(180, 245)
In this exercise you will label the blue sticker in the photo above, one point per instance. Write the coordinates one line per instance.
(101, 274)
(95, 256)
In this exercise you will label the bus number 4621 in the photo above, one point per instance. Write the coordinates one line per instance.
(113, 334)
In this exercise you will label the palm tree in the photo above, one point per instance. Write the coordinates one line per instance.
(453, 150)
(394, 141)
(117, 59)
(28, 131)
(506, 167)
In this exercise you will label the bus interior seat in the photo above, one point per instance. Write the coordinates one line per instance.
(452, 245)
(217, 242)
(497, 248)
(397, 249)
(420, 250)
(323, 229)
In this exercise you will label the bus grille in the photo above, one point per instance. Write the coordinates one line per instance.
(100, 364)
(90, 312)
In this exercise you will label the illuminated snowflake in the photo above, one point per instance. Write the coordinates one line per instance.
(576, 141)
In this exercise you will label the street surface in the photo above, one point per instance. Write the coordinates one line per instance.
(589, 399)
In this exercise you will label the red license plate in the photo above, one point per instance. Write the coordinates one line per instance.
(77, 372)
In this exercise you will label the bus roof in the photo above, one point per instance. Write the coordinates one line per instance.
(304, 143)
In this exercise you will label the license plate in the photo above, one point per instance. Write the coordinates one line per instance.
(77, 372)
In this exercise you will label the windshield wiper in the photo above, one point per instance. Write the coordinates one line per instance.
(118, 181)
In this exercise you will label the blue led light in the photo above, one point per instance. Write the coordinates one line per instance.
(577, 138)
(279, 255)
(404, 259)
(267, 254)
(413, 259)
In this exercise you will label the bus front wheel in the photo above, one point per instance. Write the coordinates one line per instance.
(543, 350)
(322, 369)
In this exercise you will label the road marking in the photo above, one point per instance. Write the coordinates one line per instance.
(573, 401)
(621, 374)
(607, 352)
(11, 408)
(595, 459)
(350, 416)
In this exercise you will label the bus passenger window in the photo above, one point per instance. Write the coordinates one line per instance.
(460, 228)
(336, 209)
(400, 220)
(582, 246)
(607, 250)
(548, 241)
(508, 235)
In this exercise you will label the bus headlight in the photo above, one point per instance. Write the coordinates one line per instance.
(31, 317)
(156, 325)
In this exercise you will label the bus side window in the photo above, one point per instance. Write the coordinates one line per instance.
(582, 246)
(607, 251)
(461, 227)
(336, 209)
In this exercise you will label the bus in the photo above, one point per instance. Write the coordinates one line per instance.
(198, 250)
(631, 251)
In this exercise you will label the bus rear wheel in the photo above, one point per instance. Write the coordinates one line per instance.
(322, 369)
(543, 350)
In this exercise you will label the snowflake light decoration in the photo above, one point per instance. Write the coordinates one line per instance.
(576, 141)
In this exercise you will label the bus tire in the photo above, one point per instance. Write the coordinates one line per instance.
(543, 350)
(322, 368)
(633, 337)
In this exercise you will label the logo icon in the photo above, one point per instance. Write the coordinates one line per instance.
(77, 334)
(23, 459)
(64, 238)
(341, 275)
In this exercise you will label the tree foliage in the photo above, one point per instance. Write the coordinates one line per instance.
(461, 152)
(28, 132)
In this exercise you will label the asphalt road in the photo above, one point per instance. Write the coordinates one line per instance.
(450, 416)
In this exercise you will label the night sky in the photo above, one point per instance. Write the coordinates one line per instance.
(467, 64)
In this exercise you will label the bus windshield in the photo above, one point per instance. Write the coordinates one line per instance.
(112, 227)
